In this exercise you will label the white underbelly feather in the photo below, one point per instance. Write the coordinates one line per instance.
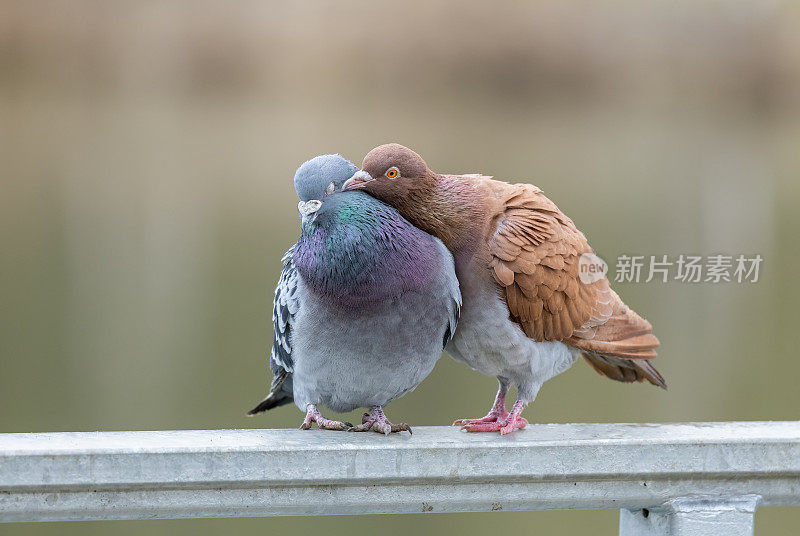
(489, 342)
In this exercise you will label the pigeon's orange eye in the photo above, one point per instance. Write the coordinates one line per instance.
(392, 173)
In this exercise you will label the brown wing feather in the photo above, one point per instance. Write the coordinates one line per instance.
(535, 250)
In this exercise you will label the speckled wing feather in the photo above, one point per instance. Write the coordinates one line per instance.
(534, 252)
(281, 361)
(284, 308)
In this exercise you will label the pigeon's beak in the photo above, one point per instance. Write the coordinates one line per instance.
(308, 209)
(359, 179)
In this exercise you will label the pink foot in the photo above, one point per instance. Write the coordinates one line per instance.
(504, 427)
(497, 414)
(513, 421)
(492, 417)
(376, 421)
(313, 415)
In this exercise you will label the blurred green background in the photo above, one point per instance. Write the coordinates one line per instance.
(147, 154)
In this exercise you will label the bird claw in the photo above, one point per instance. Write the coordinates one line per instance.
(403, 427)
(338, 426)
(380, 427)
(363, 427)
(517, 424)
(313, 415)
(377, 422)
(504, 427)
(491, 417)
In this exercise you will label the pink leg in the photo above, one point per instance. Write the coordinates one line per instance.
(515, 421)
(313, 415)
(376, 421)
(512, 422)
(496, 414)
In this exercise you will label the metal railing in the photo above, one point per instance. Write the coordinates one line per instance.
(667, 479)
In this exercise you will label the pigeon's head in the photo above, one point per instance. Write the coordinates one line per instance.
(318, 178)
(400, 177)
(394, 174)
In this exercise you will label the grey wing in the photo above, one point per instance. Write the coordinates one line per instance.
(284, 309)
(281, 361)
(454, 291)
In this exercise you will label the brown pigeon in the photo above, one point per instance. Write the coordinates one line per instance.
(527, 313)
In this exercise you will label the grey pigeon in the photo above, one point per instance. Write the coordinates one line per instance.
(364, 306)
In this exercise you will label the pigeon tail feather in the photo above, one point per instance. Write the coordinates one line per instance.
(280, 393)
(625, 370)
(273, 400)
